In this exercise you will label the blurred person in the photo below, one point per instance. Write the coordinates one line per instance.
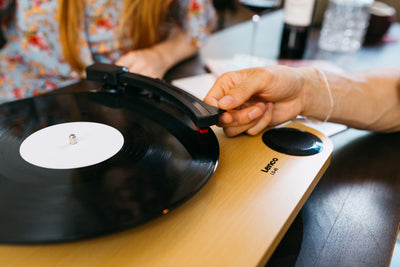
(257, 98)
(50, 42)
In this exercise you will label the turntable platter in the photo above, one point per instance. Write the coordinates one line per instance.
(162, 160)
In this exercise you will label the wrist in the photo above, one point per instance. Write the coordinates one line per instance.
(174, 49)
(163, 58)
(317, 101)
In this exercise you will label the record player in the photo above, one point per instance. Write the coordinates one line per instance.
(137, 173)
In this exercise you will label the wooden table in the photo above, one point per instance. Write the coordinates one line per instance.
(352, 217)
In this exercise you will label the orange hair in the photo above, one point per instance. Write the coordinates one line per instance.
(141, 21)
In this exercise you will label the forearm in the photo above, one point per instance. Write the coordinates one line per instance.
(155, 61)
(367, 100)
(175, 49)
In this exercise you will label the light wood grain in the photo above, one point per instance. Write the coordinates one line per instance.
(236, 219)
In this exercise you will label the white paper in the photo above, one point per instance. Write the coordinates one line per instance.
(327, 128)
(198, 85)
(218, 66)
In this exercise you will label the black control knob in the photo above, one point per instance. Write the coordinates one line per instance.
(292, 141)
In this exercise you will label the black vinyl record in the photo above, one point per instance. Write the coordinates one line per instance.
(164, 160)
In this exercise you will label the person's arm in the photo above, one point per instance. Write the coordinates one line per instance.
(194, 20)
(367, 100)
(262, 97)
(158, 59)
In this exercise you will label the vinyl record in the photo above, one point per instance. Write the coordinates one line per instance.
(163, 160)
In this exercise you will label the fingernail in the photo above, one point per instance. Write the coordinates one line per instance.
(212, 101)
(262, 106)
(225, 118)
(226, 100)
(255, 113)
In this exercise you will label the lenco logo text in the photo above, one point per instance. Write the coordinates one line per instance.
(270, 164)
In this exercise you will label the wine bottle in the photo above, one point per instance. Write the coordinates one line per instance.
(298, 17)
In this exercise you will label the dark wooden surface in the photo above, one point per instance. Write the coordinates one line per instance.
(353, 215)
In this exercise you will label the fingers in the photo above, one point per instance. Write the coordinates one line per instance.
(142, 62)
(234, 92)
(242, 116)
(243, 91)
(251, 120)
(132, 62)
(263, 122)
(233, 89)
(236, 130)
(125, 60)
(252, 127)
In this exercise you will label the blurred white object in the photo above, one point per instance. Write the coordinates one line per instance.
(344, 25)
(238, 62)
(198, 85)
(218, 66)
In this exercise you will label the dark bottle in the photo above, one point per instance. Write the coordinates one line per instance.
(298, 19)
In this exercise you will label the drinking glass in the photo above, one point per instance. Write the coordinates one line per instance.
(258, 7)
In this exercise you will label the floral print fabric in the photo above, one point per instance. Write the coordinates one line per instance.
(31, 62)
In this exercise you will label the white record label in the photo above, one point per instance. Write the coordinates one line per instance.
(71, 145)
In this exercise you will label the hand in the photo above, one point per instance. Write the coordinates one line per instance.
(258, 97)
(155, 61)
(146, 62)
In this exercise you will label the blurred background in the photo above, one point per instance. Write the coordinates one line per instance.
(231, 13)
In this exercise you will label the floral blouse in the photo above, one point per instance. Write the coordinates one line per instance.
(31, 62)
